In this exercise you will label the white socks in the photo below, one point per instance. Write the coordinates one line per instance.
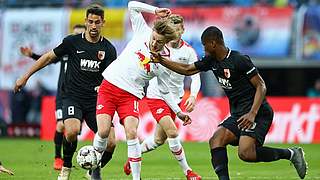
(148, 144)
(178, 152)
(99, 143)
(134, 156)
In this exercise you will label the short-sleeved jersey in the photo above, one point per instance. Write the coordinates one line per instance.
(233, 74)
(86, 62)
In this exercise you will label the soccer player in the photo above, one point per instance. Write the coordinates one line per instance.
(180, 51)
(89, 54)
(125, 78)
(251, 115)
(58, 136)
(5, 170)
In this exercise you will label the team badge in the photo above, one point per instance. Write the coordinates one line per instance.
(144, 61)
(101, 55)
(227, 73)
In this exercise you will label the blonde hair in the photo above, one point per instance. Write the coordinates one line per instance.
(166, 28)
(176, 19)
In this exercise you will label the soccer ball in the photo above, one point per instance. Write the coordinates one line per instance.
(88, 158)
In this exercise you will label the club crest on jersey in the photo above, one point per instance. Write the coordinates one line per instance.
(101, 55)
(227, 73)
(144, 61)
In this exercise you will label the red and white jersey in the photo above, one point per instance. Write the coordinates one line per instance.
(183, 54)
(130, 71)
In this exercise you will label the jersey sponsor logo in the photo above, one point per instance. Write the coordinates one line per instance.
(144, 61)
(101, 55)
(227, 73)
(159, 111)
(89, 65)
(225, 84)
(79, 52)
(100, 106)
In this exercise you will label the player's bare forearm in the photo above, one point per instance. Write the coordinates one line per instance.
(181, 68)
(260, 94)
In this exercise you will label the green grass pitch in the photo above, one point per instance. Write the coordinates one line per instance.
(32, 159)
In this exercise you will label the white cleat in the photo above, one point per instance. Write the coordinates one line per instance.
(64, 173)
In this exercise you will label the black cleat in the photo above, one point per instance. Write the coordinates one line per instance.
(299, 161)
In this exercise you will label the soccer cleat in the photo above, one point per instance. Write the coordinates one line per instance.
(57, 164)
(299, 161)
(192, 175)
(127, 168)
(95, 174)
(64, 173)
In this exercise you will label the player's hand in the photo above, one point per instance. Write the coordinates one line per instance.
(190, 103)
(26, 51)
(4, 170)
(20, 83)
(246, 121)
(185, 118)
(163, 12)
(155, 57)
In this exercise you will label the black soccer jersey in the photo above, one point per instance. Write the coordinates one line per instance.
(233, 74)
(86, 62)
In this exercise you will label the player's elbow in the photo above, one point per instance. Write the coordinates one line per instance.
(131, 5)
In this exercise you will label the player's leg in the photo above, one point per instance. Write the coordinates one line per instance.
(58, 135)
(251, 147)
(72, 123)
(227, 133)
(90, 117)
(58, 138)
(175, 146)
(154, 141)
(134, 148)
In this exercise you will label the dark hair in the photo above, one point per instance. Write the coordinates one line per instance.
(212, 33)
(79, 26)
(96, 10)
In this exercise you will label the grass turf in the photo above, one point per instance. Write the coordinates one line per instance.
(32, 159)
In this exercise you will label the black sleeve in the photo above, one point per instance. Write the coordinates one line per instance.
(113, 54)
(35, 56)
(246, 66)
(56, 60)
(63, 48)
(205, 64)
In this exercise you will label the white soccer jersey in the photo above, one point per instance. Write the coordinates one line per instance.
(128, 71)
(183, 54)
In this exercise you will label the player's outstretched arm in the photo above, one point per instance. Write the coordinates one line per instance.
(5, 170)
(181, 68)
(43, 61)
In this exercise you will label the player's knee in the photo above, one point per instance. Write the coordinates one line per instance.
(172, 133)
(216, 141)
(60, 126)
(111, 144)
(159, 140)
(246, 156)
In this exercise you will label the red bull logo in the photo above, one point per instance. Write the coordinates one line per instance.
(144, 61)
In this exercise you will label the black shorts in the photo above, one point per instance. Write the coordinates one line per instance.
(59, 112)
(80, 110)
(263, 122)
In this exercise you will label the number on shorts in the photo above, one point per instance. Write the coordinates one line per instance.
(136, 106)
(71, 110)
(59, 114)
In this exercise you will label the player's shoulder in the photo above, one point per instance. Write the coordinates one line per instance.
(73, 37)
(107, 43)
(237, 56)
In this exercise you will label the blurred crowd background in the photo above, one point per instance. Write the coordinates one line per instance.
(281, 36)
